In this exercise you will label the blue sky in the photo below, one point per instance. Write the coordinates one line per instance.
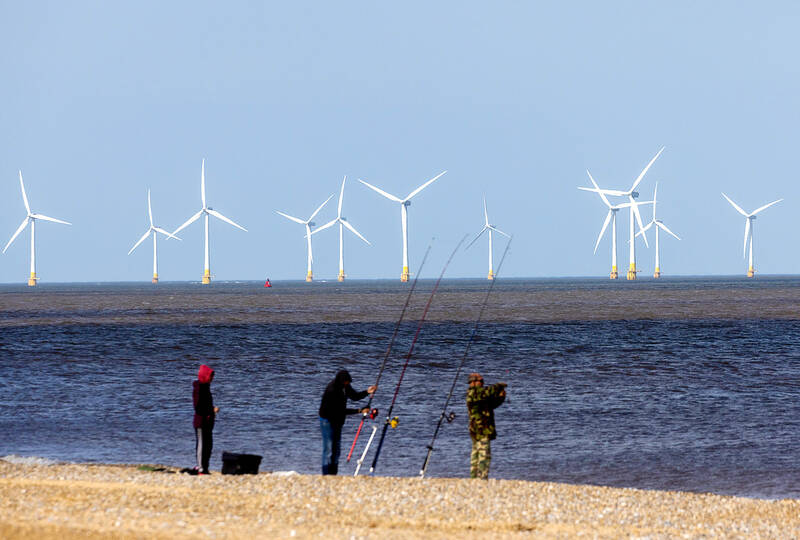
(102, 101)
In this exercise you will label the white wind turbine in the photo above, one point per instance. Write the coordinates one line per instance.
(206, 211)
(658, 225)
(612, 217)
(31, 218)
(748, 229)
(342, 221)
(404, 204)
(308, 224)
(632, 195)
(491, 228)
(152, 230)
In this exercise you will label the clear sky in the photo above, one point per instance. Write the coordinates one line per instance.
(101, 101)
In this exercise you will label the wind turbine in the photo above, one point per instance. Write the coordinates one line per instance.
(342, 221)
(206, 211)
(31, 218)
(308, 224)
(748, 229)
(659, 225)
(491, 228)
(152, 230)
(632, 195)
(404, 204)
(612, 217)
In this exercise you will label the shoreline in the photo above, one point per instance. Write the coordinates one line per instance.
(67, 501)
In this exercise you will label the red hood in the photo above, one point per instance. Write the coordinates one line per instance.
(204, 374)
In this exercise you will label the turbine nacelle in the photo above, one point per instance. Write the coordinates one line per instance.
(406, 203)
(634, 194)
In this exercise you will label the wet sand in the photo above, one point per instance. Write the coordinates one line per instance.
(103, 501)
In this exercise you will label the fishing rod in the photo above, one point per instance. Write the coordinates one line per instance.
(449, 417)
(372, 413)
(393, 421)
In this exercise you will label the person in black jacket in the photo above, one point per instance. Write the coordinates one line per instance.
(204, 416)
(332, 412)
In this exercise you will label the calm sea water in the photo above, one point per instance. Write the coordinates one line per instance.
(680, 384)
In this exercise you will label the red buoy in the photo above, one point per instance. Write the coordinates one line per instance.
(267, 283)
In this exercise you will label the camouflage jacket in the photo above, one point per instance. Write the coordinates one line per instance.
(481, 402)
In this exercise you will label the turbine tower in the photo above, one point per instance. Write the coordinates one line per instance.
(31, 218)
(154, 231)
(491, 228)
(748, 230)
(658, 225)
(404, 204)
(342, 221)
(206, 211)
(632, 195)
(308, 224)
(612, 217)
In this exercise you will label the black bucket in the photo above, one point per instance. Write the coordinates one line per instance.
(240, 463)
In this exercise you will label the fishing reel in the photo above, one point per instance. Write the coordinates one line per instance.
(394, 421)
(372, 414)
(450, 417)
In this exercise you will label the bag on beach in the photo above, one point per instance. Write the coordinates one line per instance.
(240, 463)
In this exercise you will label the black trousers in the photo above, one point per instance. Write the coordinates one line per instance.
(203, 442)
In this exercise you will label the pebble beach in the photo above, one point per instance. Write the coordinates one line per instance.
(65, 501)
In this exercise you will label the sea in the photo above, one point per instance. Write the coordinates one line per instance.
(689, 384)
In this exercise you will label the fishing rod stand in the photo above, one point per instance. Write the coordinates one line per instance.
(366, 449)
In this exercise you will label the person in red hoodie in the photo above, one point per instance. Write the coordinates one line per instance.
(204, 414)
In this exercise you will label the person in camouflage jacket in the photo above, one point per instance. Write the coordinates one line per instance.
(481, 402)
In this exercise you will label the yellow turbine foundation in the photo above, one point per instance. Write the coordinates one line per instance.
(657, 273)
(614, 273)
(155, 278)
(341, 275)
(490, 277)
(206, 277)
(632, 272)
(751, 272)
(309, 278)
(404, 275)
(32, 280)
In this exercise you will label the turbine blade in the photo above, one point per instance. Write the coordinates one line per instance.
(635, 208)
(495, 229)
(655, 194)
(614, 192)
(735, 205)
(646, 227)
(149, 208)
(168, 234)
(379, 190)
(665, 229)
(47, 218)
(203, 182)
(188, 222)
(485, 212)
(347, 224)
(746, 234)
(226, 220)
(476, 237)
(19, 230)
(320, 207)
(644, 171)
(24, 196)
(765, 207)
(287, 216)
(603, 230)
(142, 239)
(423, 186)
(599, 191)
(329, 224)
(341, 196)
